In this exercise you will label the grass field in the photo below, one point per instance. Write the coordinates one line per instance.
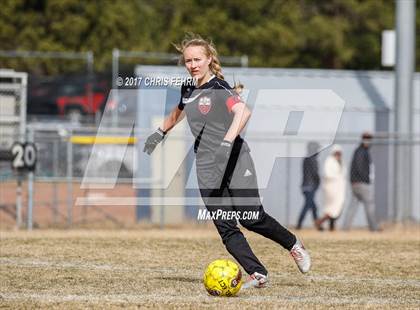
(163, 268)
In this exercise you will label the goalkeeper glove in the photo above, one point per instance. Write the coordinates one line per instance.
(153, 140)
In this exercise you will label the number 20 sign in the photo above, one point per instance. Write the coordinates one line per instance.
(24, 156)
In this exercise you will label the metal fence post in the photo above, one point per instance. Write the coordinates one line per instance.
(391, 152)
(30, 186)
(403, 118)
(89, 62)
(22, 138)
(115, 76)
(162, 191)
(19, 200)
(69, 180)
(55, 175)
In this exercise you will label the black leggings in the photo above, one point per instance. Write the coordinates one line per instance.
(239, 192)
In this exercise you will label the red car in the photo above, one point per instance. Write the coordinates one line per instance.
(74, 99)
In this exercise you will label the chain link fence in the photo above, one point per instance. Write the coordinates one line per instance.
(64, 153)
(53, 195)
(13, 93)
(56, 184)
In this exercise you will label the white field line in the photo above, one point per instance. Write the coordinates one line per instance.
(56, 264)
(146, 298)
(34, 263)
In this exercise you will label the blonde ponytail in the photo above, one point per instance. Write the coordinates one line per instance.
(238, 88)
(216, 68)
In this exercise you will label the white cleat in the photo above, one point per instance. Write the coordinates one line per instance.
(301, 256)
(256, 280)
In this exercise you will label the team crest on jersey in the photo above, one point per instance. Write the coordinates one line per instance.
(204, 105)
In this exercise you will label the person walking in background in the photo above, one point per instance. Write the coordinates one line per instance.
(334, 187)
(361, 176)
(310, 183)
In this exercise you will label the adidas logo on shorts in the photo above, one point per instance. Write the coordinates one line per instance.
(247, 173)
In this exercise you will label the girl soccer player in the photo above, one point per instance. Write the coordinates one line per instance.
(226, 176)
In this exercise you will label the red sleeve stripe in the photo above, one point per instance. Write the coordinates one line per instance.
(231, 101)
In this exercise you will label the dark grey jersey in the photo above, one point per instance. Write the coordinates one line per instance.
(209, 113)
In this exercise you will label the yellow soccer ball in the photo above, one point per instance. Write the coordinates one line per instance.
(222, 278)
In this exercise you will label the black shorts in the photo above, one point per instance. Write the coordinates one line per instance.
(237, 186)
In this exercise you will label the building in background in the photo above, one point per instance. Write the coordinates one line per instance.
(368, 100)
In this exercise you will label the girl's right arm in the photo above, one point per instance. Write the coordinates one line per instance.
(174, 117)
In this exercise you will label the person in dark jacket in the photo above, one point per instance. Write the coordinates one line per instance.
(361, 176)
(310, 183)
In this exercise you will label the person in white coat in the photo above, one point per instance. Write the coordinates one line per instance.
(334, 187)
